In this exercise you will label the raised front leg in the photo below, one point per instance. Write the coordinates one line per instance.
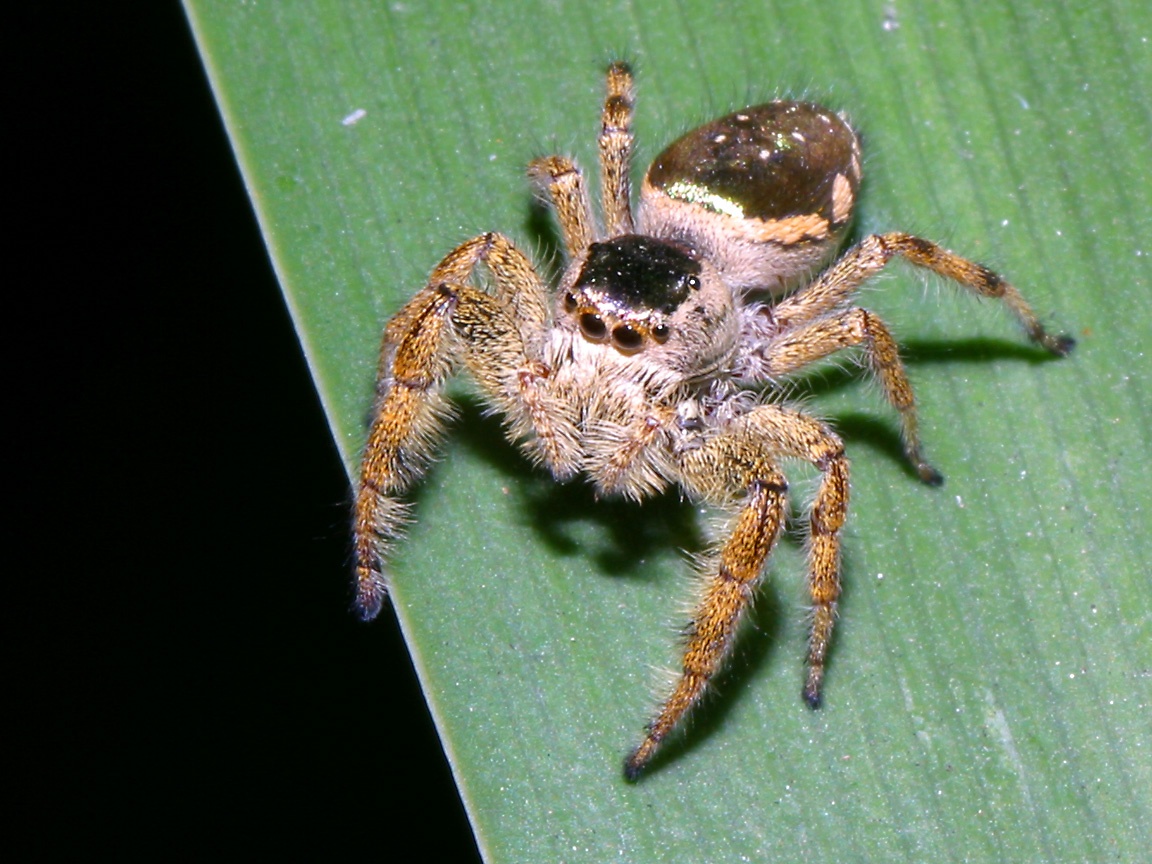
(449, 322)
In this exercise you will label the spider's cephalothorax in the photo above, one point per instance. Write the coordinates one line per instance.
(648, 364)
(627, 288)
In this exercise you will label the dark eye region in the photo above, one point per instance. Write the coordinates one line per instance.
(593, 327)
(627, 286)
(626, 336)
(639, 274)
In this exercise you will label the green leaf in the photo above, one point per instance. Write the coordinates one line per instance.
(988, 696)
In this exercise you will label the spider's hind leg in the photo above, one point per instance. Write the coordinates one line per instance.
(818, 321)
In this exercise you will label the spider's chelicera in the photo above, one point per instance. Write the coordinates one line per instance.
(652, 362)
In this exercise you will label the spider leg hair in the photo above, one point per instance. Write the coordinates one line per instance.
(838, 283)
(449, 323)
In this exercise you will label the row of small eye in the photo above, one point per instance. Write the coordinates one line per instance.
(626, 337)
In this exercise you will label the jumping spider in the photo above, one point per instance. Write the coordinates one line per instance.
(647, 364)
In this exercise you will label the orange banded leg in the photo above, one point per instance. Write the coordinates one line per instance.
(727, 593)
(791, 434)
(407, 421)
(416, 357)
(829, 511)
(862, 262)
(857, 327)
(616, 151)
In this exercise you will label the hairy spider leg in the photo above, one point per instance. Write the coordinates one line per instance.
(447, 323)
(860, 263)
(616, 147)
(739, 460)
(813, 324)
(795, 349)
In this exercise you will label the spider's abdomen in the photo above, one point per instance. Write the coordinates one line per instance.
(778, 164)
(765, 193)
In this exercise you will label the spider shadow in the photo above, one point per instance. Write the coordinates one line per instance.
(762, 630)
(979, 349)
(541, 227)
(554, 511)
(632, 532)
(879, 430)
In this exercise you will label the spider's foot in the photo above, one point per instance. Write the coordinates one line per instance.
(929, 475)
(371, 589)
(639, 758)
(1061, 345)
(812, 688)
(924, 471)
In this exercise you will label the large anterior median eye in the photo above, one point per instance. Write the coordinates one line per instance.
(593, 327)
(627, 338)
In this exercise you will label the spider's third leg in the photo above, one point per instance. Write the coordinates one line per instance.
(795, 349)
(863, 261)
(731, 463)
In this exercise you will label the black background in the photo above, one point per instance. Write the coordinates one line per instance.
(186, 673)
